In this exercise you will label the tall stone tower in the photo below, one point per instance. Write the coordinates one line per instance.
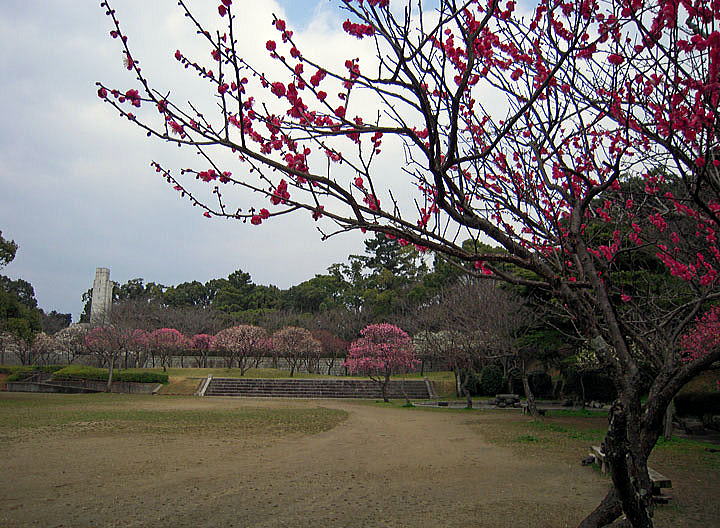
(101, 298)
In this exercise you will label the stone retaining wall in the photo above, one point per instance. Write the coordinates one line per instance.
(73, 386)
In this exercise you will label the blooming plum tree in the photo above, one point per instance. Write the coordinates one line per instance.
(71, 341)
(201, 345)
(239, 345)
(295, 345)
(381, 351)
(519, 128)
(107, 343)
(167, 342)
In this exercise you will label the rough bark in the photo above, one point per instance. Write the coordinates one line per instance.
(383, 387)
(530, 397)
(628, 466)
(668, 427)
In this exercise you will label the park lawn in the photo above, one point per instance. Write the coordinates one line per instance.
(565, 436)
(34, 415)
(181, 386)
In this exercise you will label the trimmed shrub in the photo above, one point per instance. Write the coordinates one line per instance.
(491, 381)
(20, 372)
(82, 372)
(697, 403)
(19, 375)
(93, 373)
(142, 377)
(50, 368)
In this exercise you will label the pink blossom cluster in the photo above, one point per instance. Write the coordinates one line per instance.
(381, 349)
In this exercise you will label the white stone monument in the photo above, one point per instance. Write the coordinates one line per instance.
(101, 298)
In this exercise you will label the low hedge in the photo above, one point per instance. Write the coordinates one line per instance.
(93, 373)
(20, 372)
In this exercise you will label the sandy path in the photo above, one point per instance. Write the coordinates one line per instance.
(380, 468)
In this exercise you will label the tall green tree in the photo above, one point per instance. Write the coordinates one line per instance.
(19, 315)
(8, 248)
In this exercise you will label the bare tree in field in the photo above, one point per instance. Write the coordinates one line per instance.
(333, 349)
(150, 315)
(471, 325)
(468, 119)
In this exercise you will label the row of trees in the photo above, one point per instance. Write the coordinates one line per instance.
(385, 281)
(242, 346)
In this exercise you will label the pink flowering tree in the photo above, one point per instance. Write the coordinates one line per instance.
(239, 345)
(702, 341)
(107, 344)
(201, 344)
(166, 343)
(528, 128)
(138, 349)
(381, 351)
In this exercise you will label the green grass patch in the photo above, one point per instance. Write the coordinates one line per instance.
(27, 414)
(577, 412)
(687, 448)
(527, 439)
(444, 375)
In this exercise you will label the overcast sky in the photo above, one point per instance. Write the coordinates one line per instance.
(76, 190)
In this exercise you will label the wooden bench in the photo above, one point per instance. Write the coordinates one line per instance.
(657, 479)
(597, 453)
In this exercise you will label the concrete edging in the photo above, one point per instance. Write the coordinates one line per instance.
(204, 385)
(430, 388)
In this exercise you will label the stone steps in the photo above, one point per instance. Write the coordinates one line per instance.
(313, 388)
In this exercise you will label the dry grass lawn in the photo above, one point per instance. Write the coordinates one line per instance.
(106, 460)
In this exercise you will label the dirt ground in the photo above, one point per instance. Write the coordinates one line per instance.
(381, 467)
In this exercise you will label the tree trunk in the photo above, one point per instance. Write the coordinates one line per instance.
(108, 387)
(402, 388)
(383, 388)
(628, 466)
(531, 407)
(632, 492)
(668, 425)
(464, 389)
